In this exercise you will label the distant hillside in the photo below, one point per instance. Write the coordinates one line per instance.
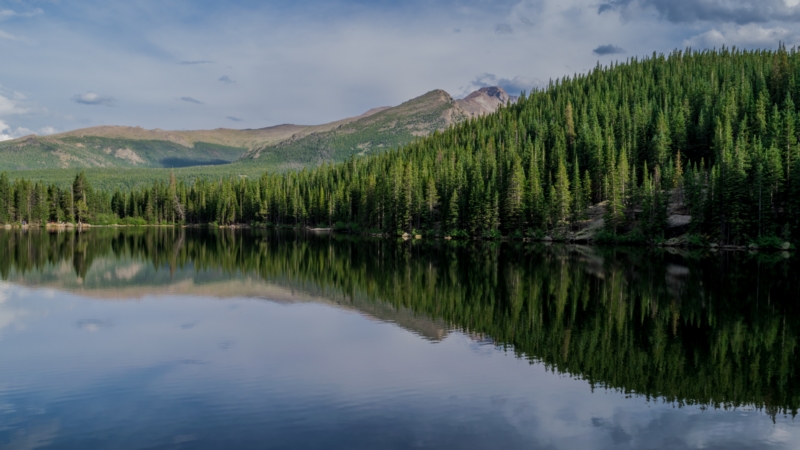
(276, 148)
(390, 128)
(50, 152)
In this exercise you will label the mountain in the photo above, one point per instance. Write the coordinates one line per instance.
(390, 128)
(279, 147)
(484, 100)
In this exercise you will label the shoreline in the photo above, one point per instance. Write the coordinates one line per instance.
(680, 242)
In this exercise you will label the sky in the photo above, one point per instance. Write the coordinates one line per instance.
(203, 64)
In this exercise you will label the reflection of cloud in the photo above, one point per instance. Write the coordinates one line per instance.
(8, 315)
(36, 436)
(128, 272)
(92, 325)
(689, 428)
(227, 80)
(194, 362)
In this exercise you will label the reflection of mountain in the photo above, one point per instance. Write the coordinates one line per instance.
(719, 331)
(129, 278)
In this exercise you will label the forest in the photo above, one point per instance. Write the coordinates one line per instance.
(714, 131)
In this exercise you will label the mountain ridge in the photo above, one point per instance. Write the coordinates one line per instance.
(279, 147)
(390, 128)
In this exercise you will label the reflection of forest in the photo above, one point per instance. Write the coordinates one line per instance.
(716, 330)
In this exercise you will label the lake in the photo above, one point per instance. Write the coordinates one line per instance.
(187, 338)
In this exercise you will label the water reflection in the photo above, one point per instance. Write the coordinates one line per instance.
(718, 332)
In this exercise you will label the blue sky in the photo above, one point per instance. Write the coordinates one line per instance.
(247, 64)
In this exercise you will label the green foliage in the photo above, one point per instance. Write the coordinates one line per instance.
(770, 242)
(696, 240)
(704, 127)
(635, 237)
(92, 151)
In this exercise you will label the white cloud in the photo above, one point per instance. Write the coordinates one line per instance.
(513, 86)
(13, 37)
(7, 133)
(304, 67)
(744, 36)
(12, 106)
(6, 13)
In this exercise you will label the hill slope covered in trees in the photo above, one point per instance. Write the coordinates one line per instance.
(713, 131)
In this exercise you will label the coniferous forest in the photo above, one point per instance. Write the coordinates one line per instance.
(712, 133)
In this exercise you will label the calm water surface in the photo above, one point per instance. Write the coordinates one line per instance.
(165, 338)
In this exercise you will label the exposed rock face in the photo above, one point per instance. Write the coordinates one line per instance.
(483, 101)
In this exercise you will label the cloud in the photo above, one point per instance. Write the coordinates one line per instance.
(333, 64)
(744, 36)
(723, 11)
(191, 100)
(6, 13)
(503, 28)
(90, 98)
(512, 86)
(12, 106)
(227, 80)
(235, 119)
(11, 37)
(608, 50)
(6, 133)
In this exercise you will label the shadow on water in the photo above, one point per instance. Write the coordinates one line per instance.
(714, 330)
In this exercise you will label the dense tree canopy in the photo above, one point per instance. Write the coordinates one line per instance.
(716, 131)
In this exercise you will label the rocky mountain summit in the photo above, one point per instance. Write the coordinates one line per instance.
(484, 101)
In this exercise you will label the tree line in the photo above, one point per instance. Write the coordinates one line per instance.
(712, 133)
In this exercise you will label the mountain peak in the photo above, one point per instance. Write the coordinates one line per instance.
(491, 91)
(485, 100)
